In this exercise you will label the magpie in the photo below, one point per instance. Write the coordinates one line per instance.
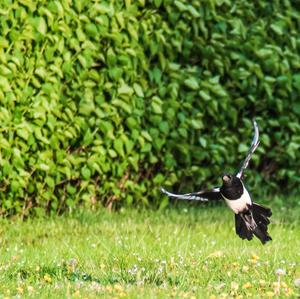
(250, 217)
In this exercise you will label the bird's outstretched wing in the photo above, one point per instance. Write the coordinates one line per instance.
(254, 145)
(208, 195)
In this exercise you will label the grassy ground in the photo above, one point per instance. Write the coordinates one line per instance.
(183, 253)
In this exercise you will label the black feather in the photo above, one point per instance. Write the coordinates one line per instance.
(241, 228)
(260, 215)
(253, 221)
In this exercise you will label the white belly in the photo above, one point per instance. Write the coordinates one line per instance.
(239, 205)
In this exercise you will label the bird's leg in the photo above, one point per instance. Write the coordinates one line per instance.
(249, 221)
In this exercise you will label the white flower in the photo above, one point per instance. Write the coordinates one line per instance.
(73, 262)
(159, 270)
(280, 272)
(297, 282)
(95, 286)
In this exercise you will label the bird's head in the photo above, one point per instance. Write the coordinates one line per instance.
(232, 187)
(226, 178)
(230, 180)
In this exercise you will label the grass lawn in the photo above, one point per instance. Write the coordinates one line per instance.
(189, 252)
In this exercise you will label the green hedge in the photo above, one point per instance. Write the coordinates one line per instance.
(107, 101)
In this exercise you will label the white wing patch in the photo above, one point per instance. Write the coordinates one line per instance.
(189, 196)
(254, 145)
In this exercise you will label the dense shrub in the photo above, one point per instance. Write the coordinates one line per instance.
(106, 101)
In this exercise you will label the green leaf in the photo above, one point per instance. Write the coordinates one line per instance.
(146, 135)
(204, 95)
(38, 134)
(91, 30)
(138, 90)
(197, 124)
(277, 28)
(86, 173)
(4, 84)
(118, 146)
(43, 166)
(41, 25)
(181, 7)
(156, 108)
(112, 153)
(203, 142)
(50, 182)
(23, 133)
(156, 105)
(243, 148)
(193, 11)
(192, 83)
(157, 3)
(125, 89)
(123, 105)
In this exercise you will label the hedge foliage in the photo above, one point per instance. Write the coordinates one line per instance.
(107, 100)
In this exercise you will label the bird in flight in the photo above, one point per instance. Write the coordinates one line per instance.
(250, 218)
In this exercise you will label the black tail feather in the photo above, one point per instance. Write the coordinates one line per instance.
(260, 215)
(241, 229)
(255, 221)
(261, 209)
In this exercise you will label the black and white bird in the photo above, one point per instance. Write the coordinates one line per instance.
(250, 218)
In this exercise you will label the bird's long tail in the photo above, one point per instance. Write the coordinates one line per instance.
(254, 222)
